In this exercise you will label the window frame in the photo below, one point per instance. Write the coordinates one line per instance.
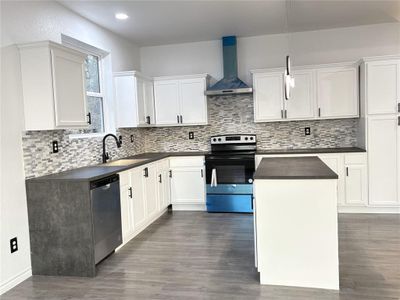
(101, 54)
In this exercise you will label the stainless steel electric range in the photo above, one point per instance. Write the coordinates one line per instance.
(229, 173)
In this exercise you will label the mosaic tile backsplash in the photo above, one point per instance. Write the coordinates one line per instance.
(227, 115)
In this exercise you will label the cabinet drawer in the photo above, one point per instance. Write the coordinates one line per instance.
(355, 158)
(186, 161)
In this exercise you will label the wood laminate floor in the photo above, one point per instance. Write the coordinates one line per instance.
(196, 255)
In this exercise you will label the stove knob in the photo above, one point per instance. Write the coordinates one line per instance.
(246, 138)
(214, 139)
(250, 180)
(251, 138)
(219, 139)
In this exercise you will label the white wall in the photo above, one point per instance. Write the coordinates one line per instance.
(23, 22)
(312, 47)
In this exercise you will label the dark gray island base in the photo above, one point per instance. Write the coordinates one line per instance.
(307, 167)
(61, 228)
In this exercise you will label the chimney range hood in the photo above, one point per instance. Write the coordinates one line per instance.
(230, 84)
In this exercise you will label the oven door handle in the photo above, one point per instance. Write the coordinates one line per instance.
(214, 177)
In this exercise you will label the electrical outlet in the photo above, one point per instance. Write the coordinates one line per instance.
(120, 139)
(55, 146)
(307, 130)
(131, 138)
(191, 135)
(13, 245)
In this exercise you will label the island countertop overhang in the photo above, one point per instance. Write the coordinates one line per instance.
(292, 168)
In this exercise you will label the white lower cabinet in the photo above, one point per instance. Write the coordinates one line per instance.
(353, 178)
(187, 183)
(163, 179)
(383, 160)
(143, 197)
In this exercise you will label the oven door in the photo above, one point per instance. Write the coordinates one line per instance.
(229, 169)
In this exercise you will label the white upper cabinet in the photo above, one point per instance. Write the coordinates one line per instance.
(181, 100)
(301, 105)
(166, 95)
(268, 96)
(320, 92)
(383, 86)
(193, 101)
(135, 99)
(337, 92)
(53, 82)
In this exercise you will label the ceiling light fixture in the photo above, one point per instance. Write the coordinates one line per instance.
(121, 16)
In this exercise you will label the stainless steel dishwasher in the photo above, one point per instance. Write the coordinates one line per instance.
(106, 206)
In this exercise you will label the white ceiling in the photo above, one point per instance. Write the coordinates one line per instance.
(170, 22)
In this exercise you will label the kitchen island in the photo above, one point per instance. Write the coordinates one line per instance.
(296, 222)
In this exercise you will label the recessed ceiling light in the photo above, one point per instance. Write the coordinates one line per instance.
(121, 16)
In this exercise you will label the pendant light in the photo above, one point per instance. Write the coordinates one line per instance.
(288, 77)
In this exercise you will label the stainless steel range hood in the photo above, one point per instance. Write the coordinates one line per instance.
(230, 84)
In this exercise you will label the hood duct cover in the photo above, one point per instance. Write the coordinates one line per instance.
(230, 84)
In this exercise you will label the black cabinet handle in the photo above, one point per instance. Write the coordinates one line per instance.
(285, 114)
(89, 116)
(177, 118)
(148, 119)
(252, 203)
(146, 172)
(319, 112)
(281, 113)
(159, 178)
(398, 107)
(398, 121)
(201, 172)
(181, 119)
(347, 171)
(170, 173)
(130, 193)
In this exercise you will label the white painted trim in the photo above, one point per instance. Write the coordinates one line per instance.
(14, 281)
(132, 73)
(177, 77)
(189, 207)
(306, 67)
(368, 210)
(377, 58)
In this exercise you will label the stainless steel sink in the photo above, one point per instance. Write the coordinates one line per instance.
(124, 162)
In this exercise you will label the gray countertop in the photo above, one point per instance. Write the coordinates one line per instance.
(311, 150)
(91, 173)
(306, 167)
(95, 172)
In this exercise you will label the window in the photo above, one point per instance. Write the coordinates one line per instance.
(94, 95)
(98, 86)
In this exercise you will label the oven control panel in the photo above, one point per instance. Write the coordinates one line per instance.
(233, 139)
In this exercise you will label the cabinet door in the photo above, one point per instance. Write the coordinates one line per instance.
(141, 105)
(193, 102)
(138, 200)
(383, 84)
(68, 89)
(163, 184)
(166, 96)
(268, 97)
(187, 186)
(149, 102)
(383, 164)
(151, 193)
(336, 163)
(355, 184)
(337, 92)
(126, 212)
(301, 104)
(125, 96)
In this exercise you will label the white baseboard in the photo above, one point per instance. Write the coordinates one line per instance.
(189, 207)
(368, 210)
(15, 280)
